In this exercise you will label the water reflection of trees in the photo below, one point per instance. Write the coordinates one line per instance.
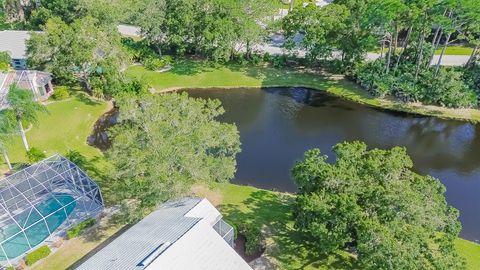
(441, 144)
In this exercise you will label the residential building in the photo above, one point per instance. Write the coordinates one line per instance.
(40, 83)
(15, 43)
(184, 234)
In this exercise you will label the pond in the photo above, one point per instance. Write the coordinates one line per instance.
(277, 125)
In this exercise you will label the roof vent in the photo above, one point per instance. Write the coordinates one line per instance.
(152, 256)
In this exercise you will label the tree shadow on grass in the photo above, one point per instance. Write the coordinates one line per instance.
(86, 99)
(290, 248)
(189, 67)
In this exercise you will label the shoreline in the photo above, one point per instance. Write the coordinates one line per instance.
(336, 85)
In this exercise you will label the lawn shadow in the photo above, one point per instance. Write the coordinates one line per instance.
(85, 98)
(188, 67)
(287, 245)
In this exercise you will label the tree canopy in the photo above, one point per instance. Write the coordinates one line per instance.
(165, 143)
(78, 51)
(372, 203)
(214, 28)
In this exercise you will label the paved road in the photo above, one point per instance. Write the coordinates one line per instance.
(274, 47)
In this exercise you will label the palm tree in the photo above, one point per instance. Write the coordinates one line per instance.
(25, 108)
(8, 128)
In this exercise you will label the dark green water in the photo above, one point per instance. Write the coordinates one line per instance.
(278, 125)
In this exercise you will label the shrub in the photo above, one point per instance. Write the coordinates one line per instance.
(279, 61)
(77, 229)
(37, 255)
(253, 237)
(10, 268)
(154, 63)
(35, 155)
(60, 92)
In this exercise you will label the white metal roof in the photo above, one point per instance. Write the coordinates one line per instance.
(129, 30)
(177, 236)
(14, 42)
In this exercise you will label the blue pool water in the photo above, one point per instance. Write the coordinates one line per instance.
(18, 243)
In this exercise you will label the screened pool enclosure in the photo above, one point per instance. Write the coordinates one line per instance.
(43, 200)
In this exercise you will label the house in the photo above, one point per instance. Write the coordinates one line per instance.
(182, 234)
(40, 83)
(15, 43)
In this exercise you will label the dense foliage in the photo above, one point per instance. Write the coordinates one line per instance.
(81, 51)
(165, 143)
(371, 202)
(217, 29)
(408, 32)
(447, 88)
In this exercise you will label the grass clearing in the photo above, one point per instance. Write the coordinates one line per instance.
(285, 247)
(65, 127)
(192, 74)
(74, 249)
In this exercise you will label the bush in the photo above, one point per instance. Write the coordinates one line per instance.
(60, 92)
(253, 237)
(37, 255)
(35, 155)
(448, 88)
(10, 268)
(153, 63)
(77, 229)
(279, 61)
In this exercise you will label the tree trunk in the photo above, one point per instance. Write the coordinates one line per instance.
(7, 160)
(405, 45)
(383, 48)
(442, 53)
(434, 47)
(389, 57)
(159, 50)
(292, 3)
(22, 133)
(472, 60)
(395, 40)
(420, 56)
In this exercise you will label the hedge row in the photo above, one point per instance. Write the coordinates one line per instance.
(37, 255)
(77, 229)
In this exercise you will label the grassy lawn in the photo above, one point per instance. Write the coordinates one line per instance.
(73, 250)
(469, 251)
(189, 74)
(65, 127)
(285, 247)
(272, 211)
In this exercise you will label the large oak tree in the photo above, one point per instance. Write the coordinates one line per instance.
(372, 203)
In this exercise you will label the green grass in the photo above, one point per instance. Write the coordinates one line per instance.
(470, 251)
(285, 247)
(456, 50)
(451, 50)
(65, 127)
(273, 211)
(190, 74)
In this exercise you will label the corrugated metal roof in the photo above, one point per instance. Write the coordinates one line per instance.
(14, 42)
(167, 224)
(187, 235)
